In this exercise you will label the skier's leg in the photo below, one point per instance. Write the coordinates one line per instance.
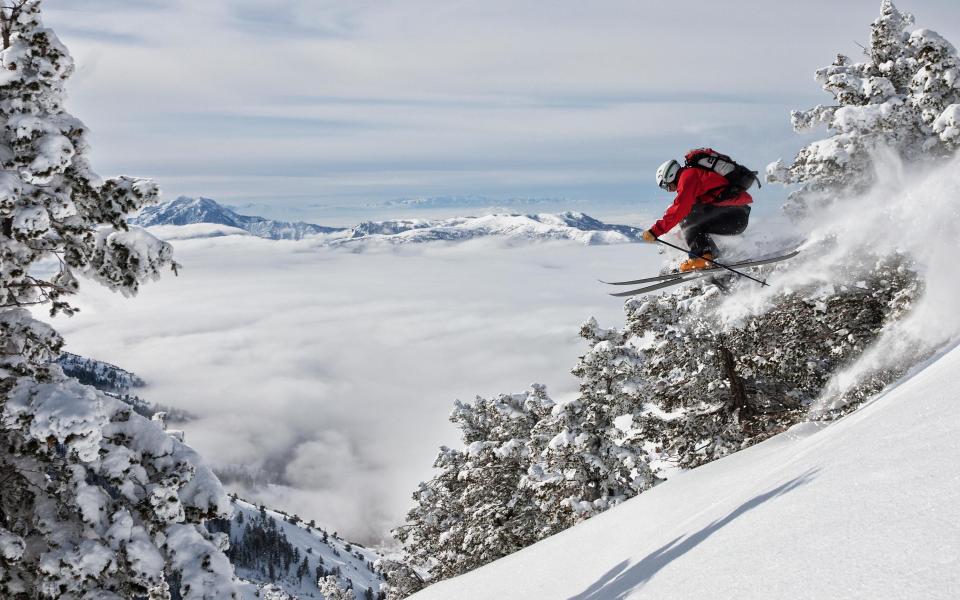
(706, 219)
(728, 220)
(703, 244)
(696, 229)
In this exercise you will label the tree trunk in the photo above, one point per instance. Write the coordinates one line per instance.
(738, 391)
(9, 16)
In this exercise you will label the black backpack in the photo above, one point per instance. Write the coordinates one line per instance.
(739, 178)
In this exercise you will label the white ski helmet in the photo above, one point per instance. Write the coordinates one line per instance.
(667, 173)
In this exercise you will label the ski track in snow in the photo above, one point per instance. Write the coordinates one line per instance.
(866, 507)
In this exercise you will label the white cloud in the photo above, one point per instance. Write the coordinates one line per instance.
(335, 371)
(508, 95)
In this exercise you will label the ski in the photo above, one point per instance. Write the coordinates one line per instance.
(656, 286)
(665, 281)
(670, 276)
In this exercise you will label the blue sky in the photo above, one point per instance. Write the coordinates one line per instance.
(306, 102)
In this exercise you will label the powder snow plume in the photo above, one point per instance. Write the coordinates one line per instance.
(910, 210)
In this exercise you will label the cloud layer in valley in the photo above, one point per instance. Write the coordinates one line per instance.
(333, 372)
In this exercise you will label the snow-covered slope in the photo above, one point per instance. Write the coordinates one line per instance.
(867, 507)
(271, 547)
(103, 376)
(188, 211)
(117, 383)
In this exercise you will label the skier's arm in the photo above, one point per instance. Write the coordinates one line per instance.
(682, 204)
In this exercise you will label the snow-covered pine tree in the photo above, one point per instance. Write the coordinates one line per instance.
(474, 510)
(433, 533)
(53, 206)
(715, 388)
(501, 516)
(331, 590)
(935, 88)
(579, 467)
(692, 409)
(97, 501)
(401, 580)
(905, 97)
(273, 592)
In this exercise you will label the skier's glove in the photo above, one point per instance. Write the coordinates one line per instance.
(648, 236)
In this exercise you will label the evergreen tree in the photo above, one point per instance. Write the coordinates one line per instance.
(579, 466)
(400, 579)
(97, 501)
(691, 403)
(904, 97)
(331, 590)
(935, 89)
(304, 569)
(474, 510)
(715, 388)
(52, 204)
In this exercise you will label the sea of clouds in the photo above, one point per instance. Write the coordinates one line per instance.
(330, 374)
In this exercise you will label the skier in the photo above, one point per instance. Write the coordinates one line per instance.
(706, 203)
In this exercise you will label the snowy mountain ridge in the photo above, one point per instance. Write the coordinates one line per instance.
(271, 548)
(539, 227)
(189, 214)
(101, 375)
(187, 211)
(117, 383)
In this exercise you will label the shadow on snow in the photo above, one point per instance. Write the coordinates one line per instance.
(621, 580)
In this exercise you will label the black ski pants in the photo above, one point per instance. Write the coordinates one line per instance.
(705, 219)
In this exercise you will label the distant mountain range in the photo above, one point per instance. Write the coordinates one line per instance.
(516, 227)
(568, 225)
(430, 202)
(188, 211)
(466, 202)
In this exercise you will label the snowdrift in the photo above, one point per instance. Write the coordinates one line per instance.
(865, 507)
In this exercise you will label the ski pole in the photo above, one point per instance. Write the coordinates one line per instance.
(713, 262)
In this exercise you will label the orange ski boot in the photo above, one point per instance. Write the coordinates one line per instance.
(696, 264)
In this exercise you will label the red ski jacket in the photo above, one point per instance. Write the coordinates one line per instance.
(695, 186)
